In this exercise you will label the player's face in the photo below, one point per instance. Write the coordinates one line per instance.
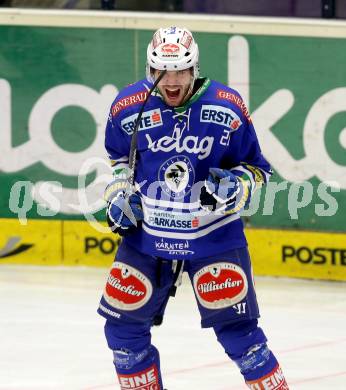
(175, 86)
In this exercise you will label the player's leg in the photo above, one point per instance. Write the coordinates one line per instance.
(226, 298)
(245, 343)
(136, 292)
(136, 360)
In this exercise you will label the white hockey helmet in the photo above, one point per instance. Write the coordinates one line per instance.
(172, 48)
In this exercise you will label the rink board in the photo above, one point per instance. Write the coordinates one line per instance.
(299, 254)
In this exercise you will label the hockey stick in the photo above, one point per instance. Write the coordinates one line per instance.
(133, 153)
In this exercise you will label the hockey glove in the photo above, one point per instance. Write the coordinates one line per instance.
(224, 192)
(124, 213)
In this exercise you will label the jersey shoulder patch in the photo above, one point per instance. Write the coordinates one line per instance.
(223, 94)
(132, 95)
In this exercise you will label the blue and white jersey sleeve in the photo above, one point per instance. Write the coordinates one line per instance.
(121, 122)
(244, 157)
(116, 144)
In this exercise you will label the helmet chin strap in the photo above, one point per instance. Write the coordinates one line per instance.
(189, 91)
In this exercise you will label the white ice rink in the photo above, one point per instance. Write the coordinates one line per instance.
(52, 338)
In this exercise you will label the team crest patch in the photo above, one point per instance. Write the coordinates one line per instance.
(127, 288)
(220, 285)
(176, 176)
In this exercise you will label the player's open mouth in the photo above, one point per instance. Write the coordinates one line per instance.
(172, 93)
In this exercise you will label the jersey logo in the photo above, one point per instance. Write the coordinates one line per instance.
(220, 285)
(238, 101)
(169, 220)
(220, 115)
(176, 176)
(128, 101)
(174, 247)
(190, 144)
(127, 288)
(150, 119)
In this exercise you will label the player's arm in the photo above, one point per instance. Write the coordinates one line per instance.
(228, 189)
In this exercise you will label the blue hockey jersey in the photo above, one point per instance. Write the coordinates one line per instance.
(175, 149)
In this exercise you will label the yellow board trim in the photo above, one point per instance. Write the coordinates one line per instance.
(38, 242)
(297, 253)
(290, 253)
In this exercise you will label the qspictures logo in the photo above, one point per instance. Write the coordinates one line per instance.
(13, 247)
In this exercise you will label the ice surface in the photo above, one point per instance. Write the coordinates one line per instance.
(52, 338)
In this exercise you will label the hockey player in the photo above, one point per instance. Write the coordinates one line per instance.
(198, 163)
